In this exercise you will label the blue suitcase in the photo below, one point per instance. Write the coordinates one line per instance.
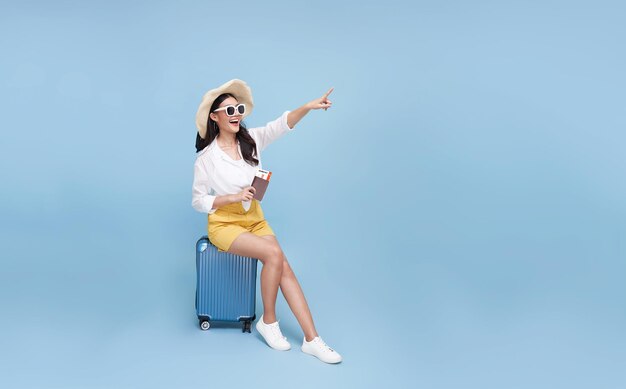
(226, 286)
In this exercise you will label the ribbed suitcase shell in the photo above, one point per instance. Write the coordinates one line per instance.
(226, 285)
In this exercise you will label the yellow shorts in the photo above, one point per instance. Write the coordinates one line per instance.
(229, 221)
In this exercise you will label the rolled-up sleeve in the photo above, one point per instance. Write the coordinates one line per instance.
(202, 197)
(273, 130)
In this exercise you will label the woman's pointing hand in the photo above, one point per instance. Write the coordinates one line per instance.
(321, 102)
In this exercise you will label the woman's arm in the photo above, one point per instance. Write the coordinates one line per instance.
(203, 197)
(294, 116)
(245, 195)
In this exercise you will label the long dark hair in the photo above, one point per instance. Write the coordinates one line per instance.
(248, 145)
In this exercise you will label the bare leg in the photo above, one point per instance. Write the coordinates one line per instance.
(250, 245)
(293, 294)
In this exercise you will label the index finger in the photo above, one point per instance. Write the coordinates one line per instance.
(329, 91)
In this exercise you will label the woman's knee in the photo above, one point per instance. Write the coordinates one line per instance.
(273, 256)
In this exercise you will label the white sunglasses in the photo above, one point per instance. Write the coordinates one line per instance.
(232, 110)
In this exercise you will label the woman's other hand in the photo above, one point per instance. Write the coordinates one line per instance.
(246, 194)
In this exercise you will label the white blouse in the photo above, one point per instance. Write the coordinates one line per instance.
(217, 174)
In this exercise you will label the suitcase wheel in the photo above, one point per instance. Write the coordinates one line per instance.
(246, 326)
(204, 325)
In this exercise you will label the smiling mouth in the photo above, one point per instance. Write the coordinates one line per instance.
(234, 122)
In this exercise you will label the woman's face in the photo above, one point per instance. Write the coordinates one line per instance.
(224, 122)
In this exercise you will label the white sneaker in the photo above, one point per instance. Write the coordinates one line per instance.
(317, 347)
(272, 335)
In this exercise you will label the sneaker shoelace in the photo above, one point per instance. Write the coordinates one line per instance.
(276, 331)
(323, 344)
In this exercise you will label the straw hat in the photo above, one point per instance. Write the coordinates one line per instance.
(235, 87)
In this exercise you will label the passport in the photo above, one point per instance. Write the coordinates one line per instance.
(260, 182)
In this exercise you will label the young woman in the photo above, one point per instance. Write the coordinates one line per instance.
(229, 156)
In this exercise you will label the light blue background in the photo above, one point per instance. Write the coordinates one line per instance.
(456, 220)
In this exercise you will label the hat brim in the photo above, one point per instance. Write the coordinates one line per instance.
(235, 87)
